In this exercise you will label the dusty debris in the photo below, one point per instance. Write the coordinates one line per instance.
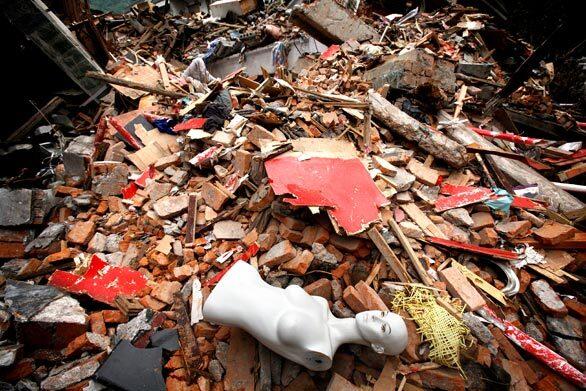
(401, 163)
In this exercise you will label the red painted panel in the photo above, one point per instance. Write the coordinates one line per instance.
(343, 185)
(493, 252)
(101, 281)
(329, 52)
(463, 198)
(193, 123)
(508, 137)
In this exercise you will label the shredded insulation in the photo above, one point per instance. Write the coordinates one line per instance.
(445, 333)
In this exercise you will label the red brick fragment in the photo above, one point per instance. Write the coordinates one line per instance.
(321, 287)
(552, 233)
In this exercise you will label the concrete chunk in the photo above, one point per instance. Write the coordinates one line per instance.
(330, 24)
(16, 207)
(412, 69)
(279, 253)
(548, 299)
(170, 206)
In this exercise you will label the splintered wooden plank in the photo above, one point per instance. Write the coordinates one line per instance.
(573, 172)
(421, 219)
(410, 252)
(464, 198)
(481, 284)
(240, 361)
(187, 341)
(394, 262)
(424, 174)
(191, 219)
(458, 286)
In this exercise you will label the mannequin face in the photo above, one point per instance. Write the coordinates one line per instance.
(385, 331)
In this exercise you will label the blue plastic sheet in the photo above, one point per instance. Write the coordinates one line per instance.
(502, 203)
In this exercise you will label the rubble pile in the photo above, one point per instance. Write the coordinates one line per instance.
(406, 167)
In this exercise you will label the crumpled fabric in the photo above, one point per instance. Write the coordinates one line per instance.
(165, 125)
(279, 54)
(220, 48)
(217, 111)
(197, 70)
(503, 202)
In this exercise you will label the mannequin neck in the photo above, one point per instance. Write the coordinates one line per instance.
(345, 331)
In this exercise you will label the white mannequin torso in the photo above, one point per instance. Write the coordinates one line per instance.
(288, 321)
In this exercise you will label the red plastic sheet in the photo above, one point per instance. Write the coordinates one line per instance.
(130, 190)
(342, 185)
(329, 52)
(102, 281)
(193, 123)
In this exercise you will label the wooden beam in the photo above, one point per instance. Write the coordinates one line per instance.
(29, 125)
(134, 85)
(388, 254)
(410, 252)
(430, 140)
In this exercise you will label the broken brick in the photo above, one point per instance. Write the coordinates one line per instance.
(514, 229)
(97, 324)
(488, 237)
(354, 299)
(548, 299)
(321, 287)
(291, 223)
(482, 220)
(289, 234)
(242, 161)
(552, 233)
(165, 290)
(81, 232)
(213, 196)
(338, 383)
(299, 264)
(315, 234)
(171, 206)
(279, 253)
(261, 199)
(240, 361)
(459, 286)
(370, 298)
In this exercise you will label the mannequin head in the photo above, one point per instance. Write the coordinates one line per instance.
(385, 331)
